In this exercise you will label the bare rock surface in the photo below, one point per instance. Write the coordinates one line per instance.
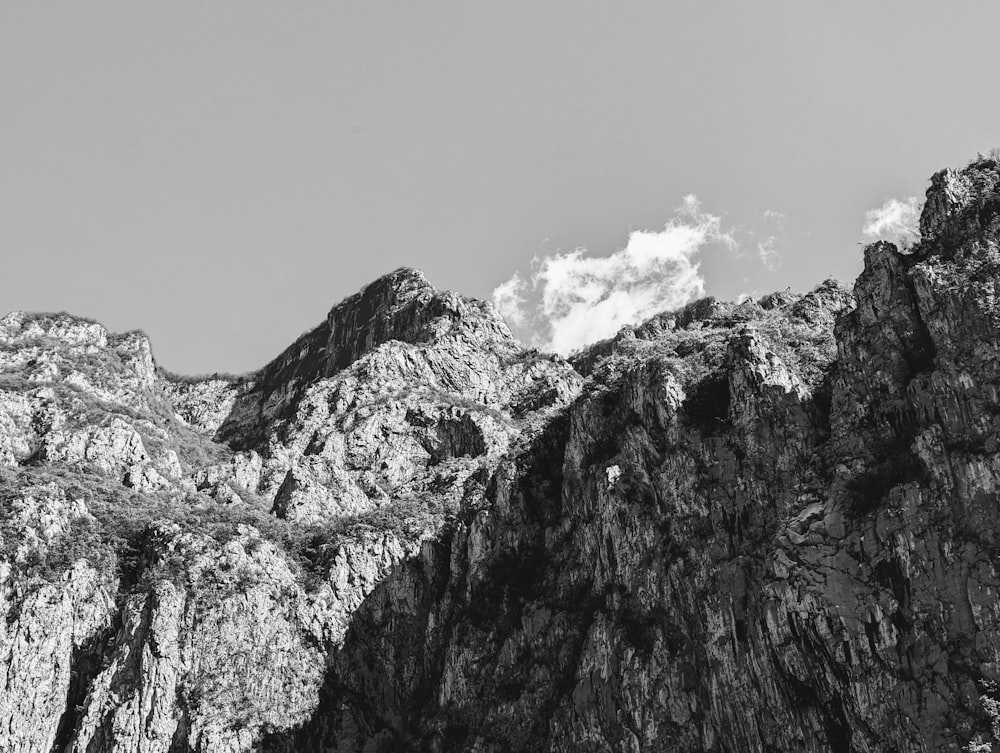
(765, 526)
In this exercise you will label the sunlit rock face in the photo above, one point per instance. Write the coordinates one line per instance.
(766, 526)
(183, 558)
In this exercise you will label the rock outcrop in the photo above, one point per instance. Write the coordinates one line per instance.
(766, 526)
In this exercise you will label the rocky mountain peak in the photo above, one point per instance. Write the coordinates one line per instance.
(400, 313)
(962, 202)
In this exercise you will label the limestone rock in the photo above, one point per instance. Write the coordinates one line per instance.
(764, 526)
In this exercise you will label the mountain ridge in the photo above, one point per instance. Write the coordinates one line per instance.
(764, 526)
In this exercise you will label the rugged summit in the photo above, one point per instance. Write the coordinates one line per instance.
(769, 526)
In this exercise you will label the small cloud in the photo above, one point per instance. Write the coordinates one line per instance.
(509, 302)
(896, 221)
(767, 252)
(767, 246)
(573, 300)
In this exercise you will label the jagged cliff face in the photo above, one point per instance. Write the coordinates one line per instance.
(758, 527)
(181, 557)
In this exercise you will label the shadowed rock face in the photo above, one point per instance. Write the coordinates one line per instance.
(769, 526)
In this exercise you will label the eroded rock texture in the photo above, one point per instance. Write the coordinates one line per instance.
(759, 527)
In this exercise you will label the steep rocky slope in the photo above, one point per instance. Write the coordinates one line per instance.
(182, 556)
(760, 527)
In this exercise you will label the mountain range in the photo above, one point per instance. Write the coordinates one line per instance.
(767, 526)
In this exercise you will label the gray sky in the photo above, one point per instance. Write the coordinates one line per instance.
(220, 174)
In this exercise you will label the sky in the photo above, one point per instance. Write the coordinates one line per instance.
(221, 174)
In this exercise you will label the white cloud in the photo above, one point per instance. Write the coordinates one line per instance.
(896, 221)
(573, 300)
(768, 253)
(509, 301)
(768, 236)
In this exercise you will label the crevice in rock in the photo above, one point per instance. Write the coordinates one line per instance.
(454, 437)
(179, 741)
(920, 355)
(822, 404)
(707, 406)
(86, 663)
(838, 730)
